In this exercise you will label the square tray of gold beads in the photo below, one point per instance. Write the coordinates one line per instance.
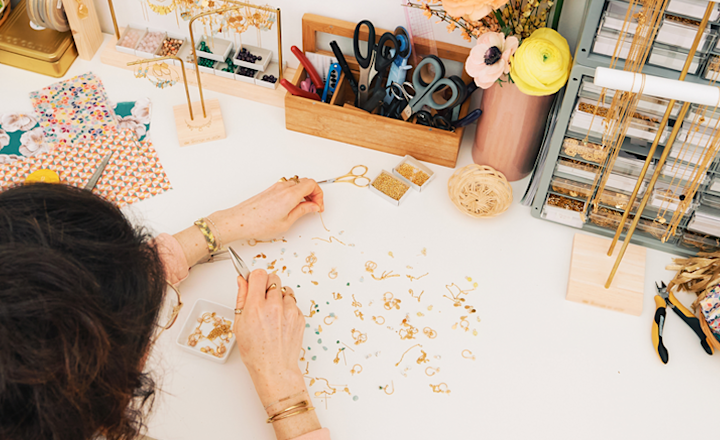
(394, 187)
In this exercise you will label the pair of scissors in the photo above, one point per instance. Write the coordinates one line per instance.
(401, 93)
(399, 68)
(378, 57)
(426, 91)
(356, 174)
(424, 117)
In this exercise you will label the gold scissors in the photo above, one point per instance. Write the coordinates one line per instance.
(352, 177)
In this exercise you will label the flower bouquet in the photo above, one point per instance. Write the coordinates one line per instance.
(519, 62)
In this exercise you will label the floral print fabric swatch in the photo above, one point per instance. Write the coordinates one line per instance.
(134, 172)
(21, 135)
(75, 110)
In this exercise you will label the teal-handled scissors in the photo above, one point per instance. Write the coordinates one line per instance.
(98, 172)
(352, 177)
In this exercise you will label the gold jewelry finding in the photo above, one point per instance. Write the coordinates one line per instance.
(359, 337)
(430, 371)
(440, 388)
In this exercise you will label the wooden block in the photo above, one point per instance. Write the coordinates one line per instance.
(590, 268)
(200, 129)
(85, 26)
(275, 97)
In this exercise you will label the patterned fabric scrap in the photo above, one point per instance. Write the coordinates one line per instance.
(134, 172)
(75, 110)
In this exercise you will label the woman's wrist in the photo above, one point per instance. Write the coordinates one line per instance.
(272, 388)
(229, 228)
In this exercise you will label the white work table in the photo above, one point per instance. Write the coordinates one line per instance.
(544, 367)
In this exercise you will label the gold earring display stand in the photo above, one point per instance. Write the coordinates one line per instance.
(194, 122)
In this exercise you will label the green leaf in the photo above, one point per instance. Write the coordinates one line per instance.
(503, 27)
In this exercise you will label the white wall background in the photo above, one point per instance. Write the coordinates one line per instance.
(383, 13)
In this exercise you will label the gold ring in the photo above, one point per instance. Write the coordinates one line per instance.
(272, 286)
(238, 311)
(282, 179)
(283, 290)
(292, 296)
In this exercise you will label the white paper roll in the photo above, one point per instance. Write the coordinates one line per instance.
(656, 86)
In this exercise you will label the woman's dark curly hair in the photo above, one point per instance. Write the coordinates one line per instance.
(80, 291)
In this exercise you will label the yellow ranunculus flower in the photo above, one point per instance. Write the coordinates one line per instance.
(541, 65)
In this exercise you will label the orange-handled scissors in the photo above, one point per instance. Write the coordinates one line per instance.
(356, 174)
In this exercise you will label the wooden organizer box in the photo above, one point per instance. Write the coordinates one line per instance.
(340, 120)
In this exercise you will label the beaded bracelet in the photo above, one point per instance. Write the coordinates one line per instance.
(207, 233)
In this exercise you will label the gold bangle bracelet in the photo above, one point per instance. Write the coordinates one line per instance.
(207, 233)
(302, 404)
(294, 413)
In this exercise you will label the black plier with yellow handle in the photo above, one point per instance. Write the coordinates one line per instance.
(665, 299)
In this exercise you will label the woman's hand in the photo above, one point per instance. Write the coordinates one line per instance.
(267, 215)
(270, 213)
(269, 334)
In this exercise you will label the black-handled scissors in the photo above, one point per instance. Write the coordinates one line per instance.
(376, 59)
(423, 117)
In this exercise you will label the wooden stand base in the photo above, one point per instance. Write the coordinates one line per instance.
(200, 129)
(590, 268)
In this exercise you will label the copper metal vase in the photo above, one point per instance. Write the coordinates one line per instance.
(510, 130)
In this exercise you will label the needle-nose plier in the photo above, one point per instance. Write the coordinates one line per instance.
(665, 299)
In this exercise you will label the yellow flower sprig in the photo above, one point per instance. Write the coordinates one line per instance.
(523, 17)
(470, 29)
(518, 17)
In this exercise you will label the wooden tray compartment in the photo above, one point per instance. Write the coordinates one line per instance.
(340, 120)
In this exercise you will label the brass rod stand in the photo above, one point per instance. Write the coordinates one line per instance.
(661, 161)
(114, 19)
